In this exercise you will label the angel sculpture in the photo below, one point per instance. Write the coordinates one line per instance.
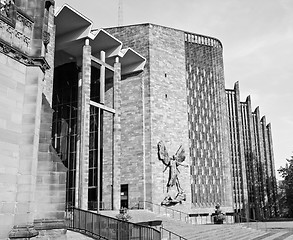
(172, 164)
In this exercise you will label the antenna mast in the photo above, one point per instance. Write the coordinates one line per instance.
(120, 13)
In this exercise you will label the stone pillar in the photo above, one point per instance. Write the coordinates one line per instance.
(50, 55)
(117, 136)
(84, 127)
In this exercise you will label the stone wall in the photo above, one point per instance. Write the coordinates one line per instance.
(153, 108)
(20, 123)
(51, 178)
(34, 175)
(169, 119)
(12, 86)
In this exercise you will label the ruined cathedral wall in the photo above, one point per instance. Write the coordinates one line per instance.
(25, 127)
(20, 119)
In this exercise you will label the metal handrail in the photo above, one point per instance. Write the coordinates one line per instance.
(104, 227)
(166, 234)
(182, 216)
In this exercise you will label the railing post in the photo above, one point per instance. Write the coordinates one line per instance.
(78, 219)
(118, 232)
(72, 218)
(108, 228)
(93, 223)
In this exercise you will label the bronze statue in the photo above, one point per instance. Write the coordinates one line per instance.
(172, 164)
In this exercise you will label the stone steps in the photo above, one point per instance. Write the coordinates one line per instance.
(213, 231)
(220, 232)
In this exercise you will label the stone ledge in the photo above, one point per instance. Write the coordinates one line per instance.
(49, 224)
(23, 231)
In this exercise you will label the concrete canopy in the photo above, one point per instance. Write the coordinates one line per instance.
(73, 28)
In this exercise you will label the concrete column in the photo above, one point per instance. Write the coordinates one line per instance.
(84, 127)
(102, 78)
(117, 136)
(101, 120)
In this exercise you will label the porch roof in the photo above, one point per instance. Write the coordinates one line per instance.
(72, 28)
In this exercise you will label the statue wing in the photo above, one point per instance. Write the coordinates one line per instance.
(180, 154)
(163, 154)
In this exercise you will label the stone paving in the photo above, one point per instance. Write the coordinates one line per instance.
(76, 236)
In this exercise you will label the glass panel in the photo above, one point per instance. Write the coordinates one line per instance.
(64, 122)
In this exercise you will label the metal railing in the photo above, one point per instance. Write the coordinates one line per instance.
(156, 208)
(168, 235)
(103, 227)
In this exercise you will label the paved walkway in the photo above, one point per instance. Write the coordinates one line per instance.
(76, 236)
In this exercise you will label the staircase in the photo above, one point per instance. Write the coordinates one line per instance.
(213, 231)
(224, 231)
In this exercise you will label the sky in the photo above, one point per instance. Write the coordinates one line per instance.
(257, 36)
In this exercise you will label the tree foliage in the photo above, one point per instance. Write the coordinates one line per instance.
(287, 187)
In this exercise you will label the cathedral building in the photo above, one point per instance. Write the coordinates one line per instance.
(101, 119)
(181, 97)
